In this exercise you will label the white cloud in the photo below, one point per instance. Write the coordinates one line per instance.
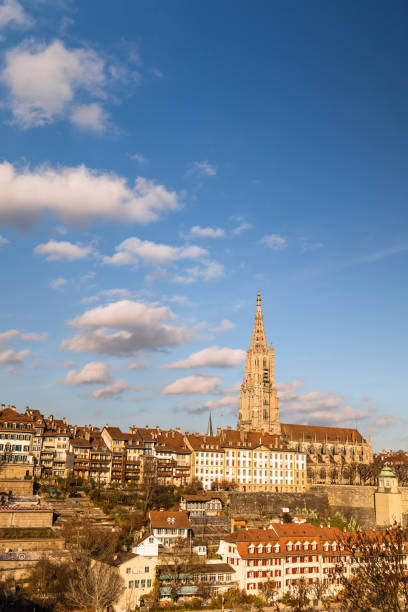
(54, 250)
(208, 271)
(308, 245)
(204, 168)
(114, 294)
(227, 400)
(384, 421)
(90, 117)
(224, 326)
(206, 232)
(316, 407)
(180, 299)
(274, 242)
(3, 241)
(132, 249)
(79, 195)
(11, 334)
(138, 364)
(94, 372)
(212, 356)
(12, 13)
(58, 283)
(122, 328)
(139, 157)
(44, 81)
(190, 385)
(118, 387)
(379, 255)
(10, 357)
(242, 227)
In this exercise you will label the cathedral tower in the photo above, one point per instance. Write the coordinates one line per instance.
(258, 409)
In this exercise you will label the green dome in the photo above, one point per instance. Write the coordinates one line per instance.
(386, 472)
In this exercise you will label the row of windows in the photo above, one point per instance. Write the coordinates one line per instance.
(14, 447)
(15, 436)
(134, 584)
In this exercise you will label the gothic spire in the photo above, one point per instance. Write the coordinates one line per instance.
(258, 341)
(210, 427)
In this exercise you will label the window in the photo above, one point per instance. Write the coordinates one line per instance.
(146, 570)
(131, 584)
(128, 570)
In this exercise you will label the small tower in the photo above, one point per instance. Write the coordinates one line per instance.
(387, 499)
(259, 398)
(210, 426)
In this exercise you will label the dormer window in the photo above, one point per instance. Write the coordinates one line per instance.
(251, 549)
(260, 548)
(277, 548)
(326, 546)
(314, 545)
(334, 547)
(268, 548)
(306, 546)
(289, 546)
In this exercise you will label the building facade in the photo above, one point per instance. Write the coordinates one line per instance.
(259, 397)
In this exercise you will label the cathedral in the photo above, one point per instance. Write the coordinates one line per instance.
(333, 453)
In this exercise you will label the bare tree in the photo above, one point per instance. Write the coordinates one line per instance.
(94, 584)
(378, 581)
(318, 590)
(149, 483)
(298, 596)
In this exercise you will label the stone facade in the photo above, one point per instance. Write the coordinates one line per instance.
(259, 398)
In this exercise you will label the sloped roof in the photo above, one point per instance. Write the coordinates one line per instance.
(8, 415)
(163, 518)
(317, 433)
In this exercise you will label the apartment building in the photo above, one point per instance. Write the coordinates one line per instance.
(16, 437)
(284, 554)
(254, 461)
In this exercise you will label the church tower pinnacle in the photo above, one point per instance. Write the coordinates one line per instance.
(259, 399)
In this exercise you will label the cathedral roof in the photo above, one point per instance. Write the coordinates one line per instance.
(315, 433)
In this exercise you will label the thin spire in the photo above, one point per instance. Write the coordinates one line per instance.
(210, 426)
(258, 341)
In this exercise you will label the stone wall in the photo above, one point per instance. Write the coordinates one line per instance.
(248, 505)
(23, 488)
(352, 501)
(34, 518)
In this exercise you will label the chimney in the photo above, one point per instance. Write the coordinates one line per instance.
(157, 428)
(64, 420)
(13, 407)
(3, 406)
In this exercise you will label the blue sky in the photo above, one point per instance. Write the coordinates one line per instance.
(163, 161)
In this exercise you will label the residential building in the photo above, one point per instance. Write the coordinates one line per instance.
(138, 574)
(252, 461)
(202, 504)
(284, 554)
(169, 527)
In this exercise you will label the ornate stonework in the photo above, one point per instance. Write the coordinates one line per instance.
(259, 399)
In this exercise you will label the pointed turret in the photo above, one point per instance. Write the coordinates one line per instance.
(259, 409)
(258, 341)
(210, 426)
